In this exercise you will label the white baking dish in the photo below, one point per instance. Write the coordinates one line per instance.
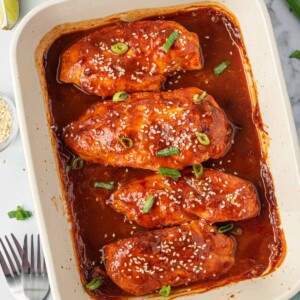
(276, 113)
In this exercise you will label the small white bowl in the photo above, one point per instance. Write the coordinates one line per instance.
(14, 129)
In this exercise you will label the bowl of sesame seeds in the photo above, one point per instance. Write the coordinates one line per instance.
(8, 122)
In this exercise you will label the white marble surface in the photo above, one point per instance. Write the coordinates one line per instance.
(287, 31)
(13, 175)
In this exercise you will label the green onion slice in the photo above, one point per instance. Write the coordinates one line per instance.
(168, 152)
(202, 138)
(221, 68)
(295, 5)
(295, 54)
(148, 204)
(236, 231)
(165, 291)
(170, 41)
(67, 169)
(119, 48)
(94, 284)
(120, 96)
(169, 172)
(126, 142)
(77, 163)
(104, 185)
(19, 214)
(226, 228)
(198, 170)
(198, 98)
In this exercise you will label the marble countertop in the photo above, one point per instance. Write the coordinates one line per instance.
(287, 32)
(13, 174)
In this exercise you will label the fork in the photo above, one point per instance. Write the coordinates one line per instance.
(34, 278)
(12, 274)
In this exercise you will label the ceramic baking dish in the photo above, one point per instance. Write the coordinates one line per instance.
(275, 108)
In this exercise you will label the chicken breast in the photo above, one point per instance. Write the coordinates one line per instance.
(215, 197)
(131, 133)
(143, 264)
(92, 65)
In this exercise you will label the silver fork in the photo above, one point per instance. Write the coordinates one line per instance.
(12, 274)
(34, 277)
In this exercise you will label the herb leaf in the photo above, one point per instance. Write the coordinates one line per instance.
(148, 204)
(295, 54)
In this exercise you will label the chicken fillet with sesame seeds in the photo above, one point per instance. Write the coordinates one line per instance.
(133, 133)
(143, 264)
(139, 62)
(215, 197)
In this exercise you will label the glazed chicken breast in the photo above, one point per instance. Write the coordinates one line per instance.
(214, 197)
(135, 133)
(143, 264)
(129, 57)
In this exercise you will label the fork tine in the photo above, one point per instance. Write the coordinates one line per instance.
(18, 246)
(45, 268)
(32, 269)
(14, 254)
(12, 266)
(25, 263)
(38, 256)
(4, 266)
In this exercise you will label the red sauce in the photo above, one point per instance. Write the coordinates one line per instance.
(95, 224)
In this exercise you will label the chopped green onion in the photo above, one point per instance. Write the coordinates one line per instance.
(198, 170)
(77, 163)
(104, 185)
(203, 138)
(226, 228)
(19, 214)
(169, 172)
(12, 214)
(236, 231)
(295, 6)
(168, 152)
(165, 291)
(119, 48)
(170, 41)
(148, 204)
(198, 98)
(120, 96)
(295, 54)
(67, 168)
(94, 284)
(126, 142)
(221, 68)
